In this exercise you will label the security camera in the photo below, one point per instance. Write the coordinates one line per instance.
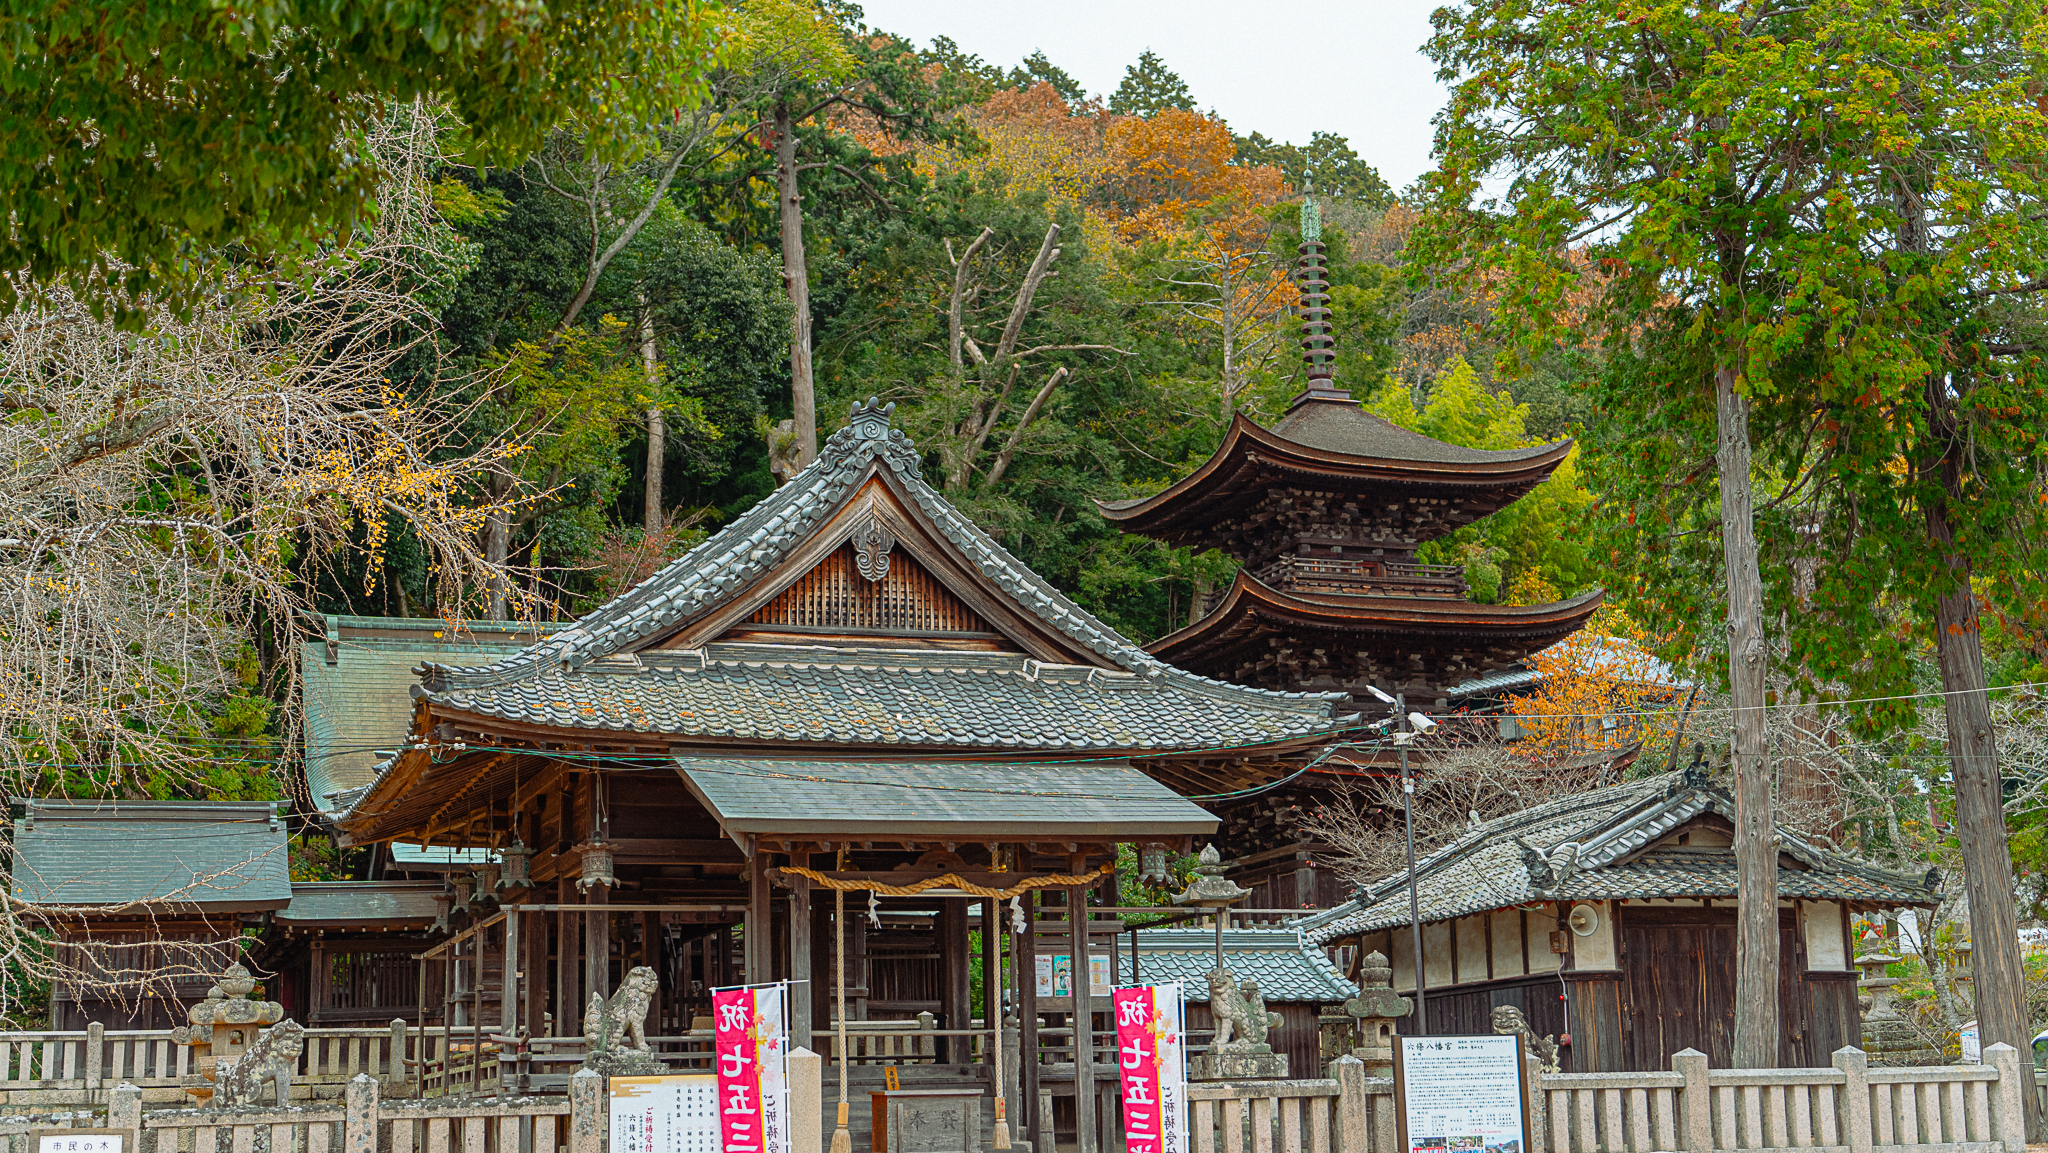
(1422, 724)
(1383, 698)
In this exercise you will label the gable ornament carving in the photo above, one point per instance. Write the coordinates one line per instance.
(872, 542)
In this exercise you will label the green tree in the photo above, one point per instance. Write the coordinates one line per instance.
(1798, 213)
(137, 130)
(1327, 165)
(1539, 538)
(1037, 68)
(1149, 86)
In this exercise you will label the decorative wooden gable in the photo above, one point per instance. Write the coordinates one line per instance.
(878, 573)
(867, 595)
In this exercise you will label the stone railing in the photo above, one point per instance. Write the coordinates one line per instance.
(49, 1070)
(1849, 1108)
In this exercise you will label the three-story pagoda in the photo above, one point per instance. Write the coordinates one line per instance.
(1325, 512)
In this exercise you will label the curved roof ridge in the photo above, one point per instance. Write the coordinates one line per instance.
(730, 559)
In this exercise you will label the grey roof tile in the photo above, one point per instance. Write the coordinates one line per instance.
(362, 904)
(1287, 968)
(1610, 831)
(357, 709)
(852, 798)
(225, 855)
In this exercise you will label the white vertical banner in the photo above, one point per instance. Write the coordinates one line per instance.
(750, 1032)
(1152, 1066)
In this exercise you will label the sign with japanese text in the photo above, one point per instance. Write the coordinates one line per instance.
(673, 1114)
(750, 1031)
(1461, 1094)
(1152, 1062)
(81, 1140)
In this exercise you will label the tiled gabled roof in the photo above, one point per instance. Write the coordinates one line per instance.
(572, 679)
(1597, 845)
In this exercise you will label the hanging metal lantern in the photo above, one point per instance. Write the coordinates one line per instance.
(597, 867)
(515, 857)
(1152, 866)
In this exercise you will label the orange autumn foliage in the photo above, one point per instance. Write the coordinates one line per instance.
(1173, 163)
(1602, 691)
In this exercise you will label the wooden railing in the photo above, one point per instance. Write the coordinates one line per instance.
(1362, 575)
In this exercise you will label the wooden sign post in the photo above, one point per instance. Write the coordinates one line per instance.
(1461, 1094)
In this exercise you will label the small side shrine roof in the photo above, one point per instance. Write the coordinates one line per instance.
(361, 904)
(225, 856)
(1287, 968)
(1613, 843)
(354, 681)
(1096, 800)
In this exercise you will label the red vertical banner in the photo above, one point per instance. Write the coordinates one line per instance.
(750, 1036)
(1151, 1061)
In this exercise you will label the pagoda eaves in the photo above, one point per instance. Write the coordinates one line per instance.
(1361, 478)
(1261, 636)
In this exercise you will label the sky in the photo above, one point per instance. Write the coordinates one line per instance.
(1352, 67)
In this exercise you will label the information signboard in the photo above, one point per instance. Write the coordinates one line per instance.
(1461, 1094)
(673, 1114)
(1152, 1068)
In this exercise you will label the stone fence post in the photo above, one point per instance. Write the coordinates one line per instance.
(587, 1113)
(1535, 1102)
(1696, 1099)
(806, 1102)
(359, 1115)
(1354, 1123)
(1855, 1101)
(95, 1054)
(124, 1110)
(395, 1072)
(2008, 1107)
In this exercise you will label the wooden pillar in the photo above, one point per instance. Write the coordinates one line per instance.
(821, 963)
(597, 946)
(992, 917)
(510, 987)
(651, 956)
(802, 985)
(1024, 967)
(760, 925)
(956, 988)
(535, 937)
(1084, 1023)
(568, 963)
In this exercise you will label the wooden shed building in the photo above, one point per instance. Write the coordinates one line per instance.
(1608, 919)
(145, 898)
(1295, 978)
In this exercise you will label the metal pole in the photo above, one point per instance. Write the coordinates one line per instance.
(1414, 906)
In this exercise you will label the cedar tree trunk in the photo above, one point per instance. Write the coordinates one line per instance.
(1756, 850)
(657, 429)
(1980, 808)
(796, 279)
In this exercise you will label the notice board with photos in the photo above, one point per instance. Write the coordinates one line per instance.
(1462, 1094)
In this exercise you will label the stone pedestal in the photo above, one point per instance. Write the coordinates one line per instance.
(625, 1063)
(1267, 1066)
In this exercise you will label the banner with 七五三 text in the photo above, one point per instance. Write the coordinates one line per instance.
(750, 1031)
(1152, 1062)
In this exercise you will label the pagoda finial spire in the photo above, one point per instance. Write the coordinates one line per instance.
(1318, 337)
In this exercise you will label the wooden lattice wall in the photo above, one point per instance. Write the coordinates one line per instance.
(835, 595)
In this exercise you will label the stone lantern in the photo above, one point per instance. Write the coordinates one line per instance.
(1376, 1007)
(1240, 1051)
(1888, 1037)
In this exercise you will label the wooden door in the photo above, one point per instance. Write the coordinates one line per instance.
(1678, 988)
